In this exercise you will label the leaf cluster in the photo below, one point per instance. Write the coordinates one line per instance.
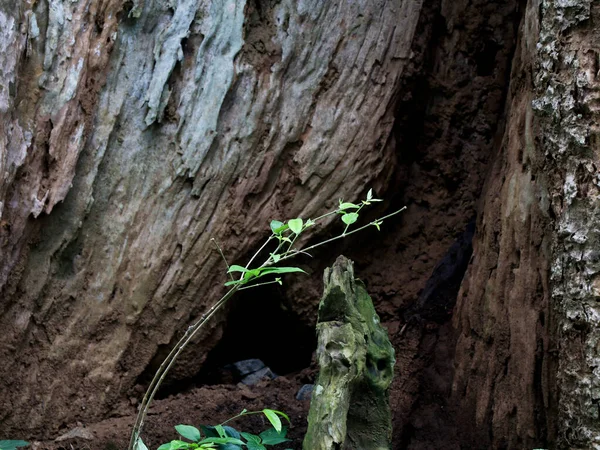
(224, 437)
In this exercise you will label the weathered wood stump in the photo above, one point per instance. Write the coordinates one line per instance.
(350, 402)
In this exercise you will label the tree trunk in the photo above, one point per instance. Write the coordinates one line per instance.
(131, 133)
(134, 132)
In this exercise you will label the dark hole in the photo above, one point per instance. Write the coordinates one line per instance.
(486, 59)
(259, 327)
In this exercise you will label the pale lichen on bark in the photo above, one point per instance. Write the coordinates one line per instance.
(568, 89)
(145, 132)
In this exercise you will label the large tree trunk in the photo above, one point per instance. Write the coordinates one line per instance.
(133, 132)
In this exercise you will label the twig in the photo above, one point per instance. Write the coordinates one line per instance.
(223, 256)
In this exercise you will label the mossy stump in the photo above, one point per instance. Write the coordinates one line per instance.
(350, 402)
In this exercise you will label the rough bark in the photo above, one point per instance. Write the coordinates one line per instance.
(131, 133)
(527, 353)
(567, 89)
(350, 406)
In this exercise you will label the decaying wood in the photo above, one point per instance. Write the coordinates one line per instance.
(350, 406)
(131, 133)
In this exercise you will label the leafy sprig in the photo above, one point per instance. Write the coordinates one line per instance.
(227, 438)
(284, 235)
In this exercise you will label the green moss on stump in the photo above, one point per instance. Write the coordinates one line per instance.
(350, 402)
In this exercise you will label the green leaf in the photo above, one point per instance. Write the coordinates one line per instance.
(275, 257)
(278, 280)
(236, 268)
(219, 429)
(349, 218)
(346, 205)
(273, 437)
(231, 432)
(221, 440)
(277, 227)
(273, 418)
(174, 445)
(309, 223)
(251, 437)
(234, 282)
(268, 270)
(189, 432)
(255, 446)
(370, 194)
(12, 444)
(209, 431)
(282, 414)
(139, 445)
(295, 225)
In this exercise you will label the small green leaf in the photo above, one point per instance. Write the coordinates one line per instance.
(12, 444)
(278, 280)
(273, 418)
(231, 432)
(309, 223)
(251, 437)
(221, 440)
(236, 268)
(234, 282)
(349, 218)
(276, 226)
(139, 445)
(344, 206)
(219, 429)
(175, 445)
(275, 257)
(255, 446)
(189, 432)
(273, 437)
(295, 225)
(376, 223)
(370, 194)
(268, 270)
(209, 431)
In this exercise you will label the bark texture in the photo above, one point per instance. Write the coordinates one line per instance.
(567, 87)
(132, 133)
(527, 353)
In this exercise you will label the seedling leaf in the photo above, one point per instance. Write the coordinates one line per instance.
(277, 227)
(272, 437)
(251, 437)
(295, 225)
(349, 218)
(236, 268)
(273, 418)
(173, 445)
(347, 205)
(269, 270)
(231, 432)
(12, 444)
(189, 432)
(139, 445)
(255, 446)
